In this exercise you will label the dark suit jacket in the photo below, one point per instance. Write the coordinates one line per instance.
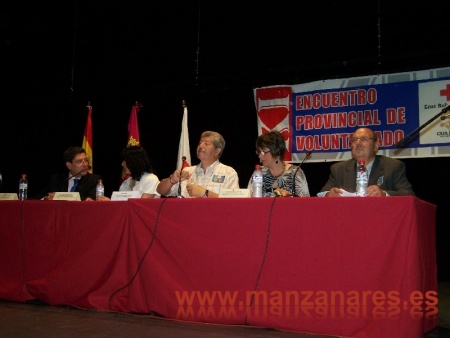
(59, 182)
(392, 171)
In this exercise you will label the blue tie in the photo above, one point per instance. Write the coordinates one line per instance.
(75, 183)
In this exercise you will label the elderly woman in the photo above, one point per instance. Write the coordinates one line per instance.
(279, 178)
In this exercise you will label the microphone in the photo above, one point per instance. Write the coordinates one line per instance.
(406, 139)
(78, 173)
(307, 155)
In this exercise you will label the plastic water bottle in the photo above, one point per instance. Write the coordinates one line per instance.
(23, 187)
(99, 190)
(362, 179)
(257, 182)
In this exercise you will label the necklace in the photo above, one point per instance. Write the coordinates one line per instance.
(281, 173)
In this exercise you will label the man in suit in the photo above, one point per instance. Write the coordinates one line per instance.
(78, 179)
(387, 176)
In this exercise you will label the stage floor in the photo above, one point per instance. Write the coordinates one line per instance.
(20, 320)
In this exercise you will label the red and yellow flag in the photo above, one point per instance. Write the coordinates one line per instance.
(133, 131)
(87, 138)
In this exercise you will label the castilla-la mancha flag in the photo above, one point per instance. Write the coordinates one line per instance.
(133, 131)
(87, 137)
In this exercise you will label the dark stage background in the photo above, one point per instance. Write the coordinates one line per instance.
(58, 55)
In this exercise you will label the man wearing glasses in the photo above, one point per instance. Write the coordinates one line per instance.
(387, 176)
(78, 179)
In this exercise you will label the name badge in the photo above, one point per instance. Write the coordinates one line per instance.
(124, 195)
(234, 193)
(66, 196)
(8, 197)
(218, 178)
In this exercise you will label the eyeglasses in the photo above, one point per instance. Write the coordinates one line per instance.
(362, 139)
(261, 152)
(81, 160)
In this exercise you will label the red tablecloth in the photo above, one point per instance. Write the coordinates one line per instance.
(359, 267)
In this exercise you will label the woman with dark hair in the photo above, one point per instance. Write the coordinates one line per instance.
(279, 178)
(137, 165)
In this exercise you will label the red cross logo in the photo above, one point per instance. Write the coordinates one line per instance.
(446, 92)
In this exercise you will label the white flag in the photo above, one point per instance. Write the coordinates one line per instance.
(183, 149)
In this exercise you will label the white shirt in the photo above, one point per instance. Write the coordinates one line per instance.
(216, 177)
(147, 184)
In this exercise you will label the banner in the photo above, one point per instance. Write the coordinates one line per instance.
(87, 138)
(321, 116)
(183, 148)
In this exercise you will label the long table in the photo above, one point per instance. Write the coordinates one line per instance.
(355, 267)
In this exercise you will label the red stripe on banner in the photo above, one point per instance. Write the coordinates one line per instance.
(274, 113)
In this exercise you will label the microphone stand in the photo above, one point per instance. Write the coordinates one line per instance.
(307, 155)
(63, 187)
(78, 173)
(408, 137)
(179, 185)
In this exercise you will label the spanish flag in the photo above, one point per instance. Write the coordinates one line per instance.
(87, 138)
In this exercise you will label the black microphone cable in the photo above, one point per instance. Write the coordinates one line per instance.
(266, 249)
(143, 257)
(307, 155)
